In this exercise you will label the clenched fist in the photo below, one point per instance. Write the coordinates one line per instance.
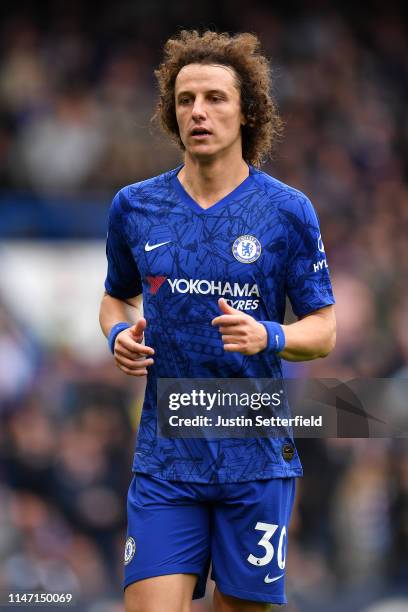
(131, 356)
(240, 332)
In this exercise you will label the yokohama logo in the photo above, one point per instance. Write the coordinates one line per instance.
(155, 282)
(205, 287)
(202, 287)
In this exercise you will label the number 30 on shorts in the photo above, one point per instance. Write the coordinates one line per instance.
(265, 542)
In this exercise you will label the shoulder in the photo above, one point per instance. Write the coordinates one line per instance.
(142, 191)
(290, 202)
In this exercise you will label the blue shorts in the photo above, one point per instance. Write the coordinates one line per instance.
(239, 528)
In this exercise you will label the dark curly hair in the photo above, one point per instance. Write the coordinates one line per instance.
(240, 52)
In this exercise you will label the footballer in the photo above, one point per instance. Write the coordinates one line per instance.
(214, 247)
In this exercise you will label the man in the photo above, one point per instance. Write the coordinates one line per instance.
(214, 246)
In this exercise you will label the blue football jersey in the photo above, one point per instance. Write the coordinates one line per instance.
(254, 247)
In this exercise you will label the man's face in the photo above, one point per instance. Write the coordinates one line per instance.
(208, 109)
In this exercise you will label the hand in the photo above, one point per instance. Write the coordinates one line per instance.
(131, 356)
(241, 333)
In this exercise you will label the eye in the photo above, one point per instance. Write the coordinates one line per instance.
(183, 101)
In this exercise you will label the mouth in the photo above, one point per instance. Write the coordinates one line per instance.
(199, 133)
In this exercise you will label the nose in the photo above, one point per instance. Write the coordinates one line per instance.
(198, 111)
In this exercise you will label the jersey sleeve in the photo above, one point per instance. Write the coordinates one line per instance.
(123, 278)
(308, 284)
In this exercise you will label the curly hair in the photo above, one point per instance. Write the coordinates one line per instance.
(240, 52)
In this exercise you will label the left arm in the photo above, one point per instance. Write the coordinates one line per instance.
(311, 337)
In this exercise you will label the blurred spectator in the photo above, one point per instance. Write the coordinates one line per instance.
(58, 149)
(19, 358)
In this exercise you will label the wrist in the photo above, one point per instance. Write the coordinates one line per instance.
(276, 336)
(114, 332)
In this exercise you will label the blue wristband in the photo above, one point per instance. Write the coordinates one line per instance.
(276, 336)
(116, 329)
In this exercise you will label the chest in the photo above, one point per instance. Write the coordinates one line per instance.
(228, 246)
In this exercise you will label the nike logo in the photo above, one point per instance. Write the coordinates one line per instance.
(267, 579)
(151, 247)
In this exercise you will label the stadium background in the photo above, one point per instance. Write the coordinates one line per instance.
(76, 97)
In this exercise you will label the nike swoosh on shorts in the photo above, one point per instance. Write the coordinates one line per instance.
(267, 579)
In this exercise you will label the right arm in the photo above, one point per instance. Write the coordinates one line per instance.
(113, 311)
(119, 305)
(131, 356)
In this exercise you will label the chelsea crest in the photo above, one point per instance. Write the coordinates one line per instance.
(246, 249)
(130, 549)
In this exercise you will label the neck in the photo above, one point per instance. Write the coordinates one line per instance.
(209, 181)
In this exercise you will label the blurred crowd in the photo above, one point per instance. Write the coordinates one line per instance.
(76, 97)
